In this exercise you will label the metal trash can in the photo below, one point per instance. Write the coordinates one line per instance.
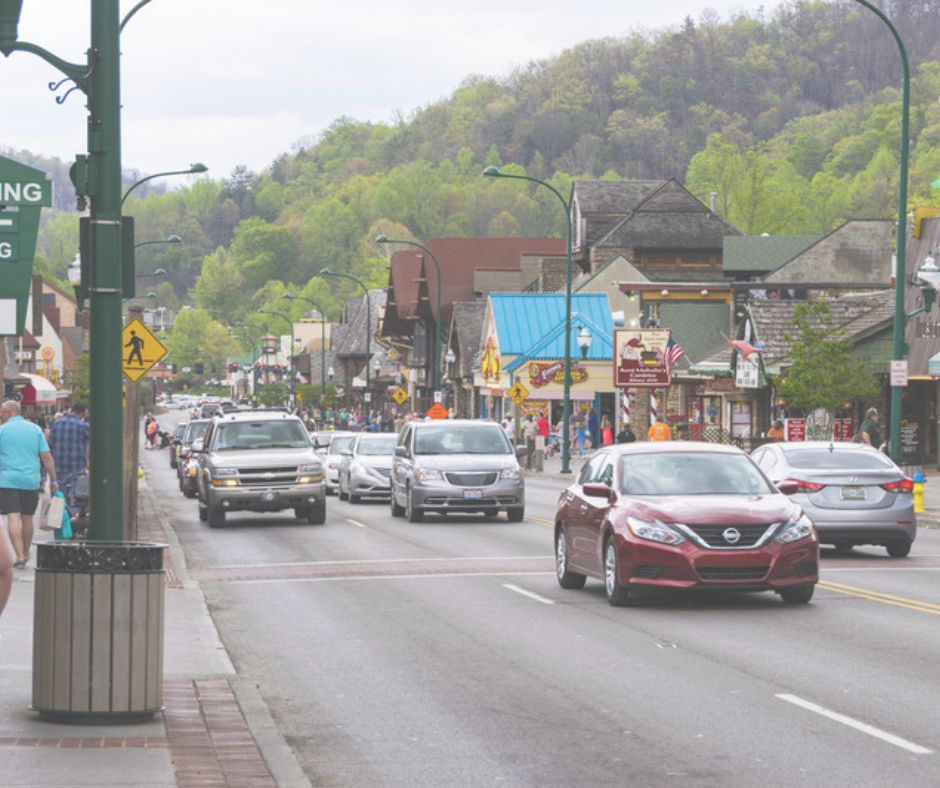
(98, 631)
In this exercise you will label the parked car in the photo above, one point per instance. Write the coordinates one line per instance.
(210, 409)
(458, 465)
(331, 456)
(366, 466)
(178, 431)
(680, 515)
(187, 468)
(258, 461)
(852, 492)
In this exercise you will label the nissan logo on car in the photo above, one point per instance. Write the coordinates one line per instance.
(731, 535)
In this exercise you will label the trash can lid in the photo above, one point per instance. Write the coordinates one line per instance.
(100, 557)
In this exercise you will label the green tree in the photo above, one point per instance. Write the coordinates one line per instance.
(220, 288)
(822, 374)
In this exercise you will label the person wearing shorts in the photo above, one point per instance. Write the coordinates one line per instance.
(23, 450)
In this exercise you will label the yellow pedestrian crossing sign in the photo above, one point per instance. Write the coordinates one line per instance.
(141, 349)
(517, 393)
(400, 395)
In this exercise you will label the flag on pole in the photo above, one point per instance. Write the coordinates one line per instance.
(674, 352)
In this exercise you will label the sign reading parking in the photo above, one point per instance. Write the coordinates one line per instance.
(141, 349)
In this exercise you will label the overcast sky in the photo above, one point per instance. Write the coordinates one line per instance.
(231, 82)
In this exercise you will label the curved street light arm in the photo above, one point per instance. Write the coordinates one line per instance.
(79, 73)
(194, 169)
(131, 13)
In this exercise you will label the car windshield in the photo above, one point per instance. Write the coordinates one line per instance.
(261, 435)
(691, 473)
(837, 459)
(340, 443)
(468, 439)
(196, 429)
(377, 446)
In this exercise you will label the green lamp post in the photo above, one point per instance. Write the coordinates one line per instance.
(494, 172)
(292, 297)
(291, 354)
(194, 169)
(436, 371)
(365, 290)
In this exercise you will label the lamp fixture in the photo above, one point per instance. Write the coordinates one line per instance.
(584, 341)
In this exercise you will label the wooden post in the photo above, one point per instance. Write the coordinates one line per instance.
(131, 447)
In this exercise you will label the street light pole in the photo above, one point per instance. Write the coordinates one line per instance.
(291, 297)
(293, 401)
(900, 320)
(194, 169)
(365, 290)
(494, 172)
(382, 239)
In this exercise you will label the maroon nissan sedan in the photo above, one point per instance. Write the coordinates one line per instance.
(681, 515)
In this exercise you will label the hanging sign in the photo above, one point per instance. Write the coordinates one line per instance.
(640, 358)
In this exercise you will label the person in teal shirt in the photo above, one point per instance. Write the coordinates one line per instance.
(23, 451)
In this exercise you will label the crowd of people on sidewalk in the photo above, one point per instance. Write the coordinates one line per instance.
(34, 453)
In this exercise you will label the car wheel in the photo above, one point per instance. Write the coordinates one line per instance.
(215, 516)
(316, 515)
(413, 515)
(842, 545)
(516, 515)
(899, 548)
(797, 595)
(566, 579)
(173, 463)
(354, 498)
(397, 509)
(617, 594)
(203, 512)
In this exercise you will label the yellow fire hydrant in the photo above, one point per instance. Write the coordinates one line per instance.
(919, 481)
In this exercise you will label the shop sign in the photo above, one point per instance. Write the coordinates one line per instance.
(22, 355)
(747, 373)
(796, 429)
(842, 429)
(534, 407)
(490, 366)
(543, 373)
(640, 358)
(910, 443)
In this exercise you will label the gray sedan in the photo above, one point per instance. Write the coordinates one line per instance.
(366, 466)
(852, 492)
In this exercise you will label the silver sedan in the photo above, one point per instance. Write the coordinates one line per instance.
(852, 492)
(367, 466)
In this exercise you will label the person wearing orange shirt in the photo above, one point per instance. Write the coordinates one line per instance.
(658, 431)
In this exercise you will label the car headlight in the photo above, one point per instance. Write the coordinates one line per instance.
(795, 530)
(225, 472)
(358, 467)
(509, 473)
(428, 475)
(654, 531)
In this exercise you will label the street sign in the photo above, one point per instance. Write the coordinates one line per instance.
(899, 372)
(438, 396)
(517, 393)
(400, 396)
(437, 411)
(141, 349)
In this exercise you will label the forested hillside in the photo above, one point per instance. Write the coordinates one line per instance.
(792, 119)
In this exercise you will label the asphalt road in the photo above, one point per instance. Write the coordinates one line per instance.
(444, 653)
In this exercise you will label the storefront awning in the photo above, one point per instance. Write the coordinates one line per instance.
(933, 366)
(38, 391)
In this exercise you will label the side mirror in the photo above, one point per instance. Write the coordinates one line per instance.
(597, 491)
(347, 452)
(177, 442)
(401, 451)
(199, 446)
(788, 487)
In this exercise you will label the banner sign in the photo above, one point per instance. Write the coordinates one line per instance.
(543, 373)
(640, 358)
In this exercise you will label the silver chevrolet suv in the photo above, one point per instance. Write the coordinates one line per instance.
(458, 465)
(258, 461)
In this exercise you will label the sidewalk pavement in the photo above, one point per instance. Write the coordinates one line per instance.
(215, 729)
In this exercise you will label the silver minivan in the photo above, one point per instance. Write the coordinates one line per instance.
(458, 465)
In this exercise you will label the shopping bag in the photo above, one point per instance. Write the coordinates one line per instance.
(43, 506)
(54, 513)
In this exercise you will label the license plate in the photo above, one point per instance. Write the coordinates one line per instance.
(853, 493)
(473, 494)
(268, 496)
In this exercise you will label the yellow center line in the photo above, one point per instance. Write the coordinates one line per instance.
(885, 599)
(541, 521)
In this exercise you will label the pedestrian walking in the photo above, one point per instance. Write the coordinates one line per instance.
(580, 427)
(68, 439)
(607, 432)
(776, 432)
(23, 451)
(592, 427)
(659, 431)
(529, 430)
(626, 434)
(869, 432)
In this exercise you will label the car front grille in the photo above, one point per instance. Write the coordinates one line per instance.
(470, 479)
(732, 573)
(470, 503)
(268, 477)
(715, 535)
(386, 472)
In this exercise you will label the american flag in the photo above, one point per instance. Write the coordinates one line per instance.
(673, 353)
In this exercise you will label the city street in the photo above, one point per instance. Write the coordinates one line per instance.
(445, 653)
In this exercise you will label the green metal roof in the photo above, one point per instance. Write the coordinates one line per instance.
(763, 253)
